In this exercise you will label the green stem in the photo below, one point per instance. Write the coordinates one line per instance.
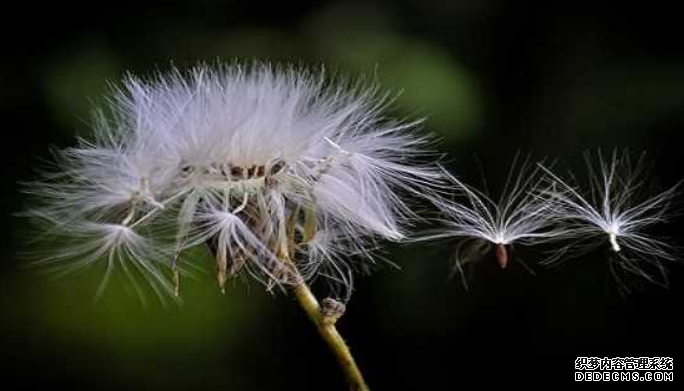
(331, 336)
(324, 322)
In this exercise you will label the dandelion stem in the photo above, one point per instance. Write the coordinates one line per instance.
(323, 318)
(331, 336)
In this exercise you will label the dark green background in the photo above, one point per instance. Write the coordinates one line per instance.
(494, 78)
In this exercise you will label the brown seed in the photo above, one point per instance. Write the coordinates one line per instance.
(261, 171)
(237, 172)
(502, 255)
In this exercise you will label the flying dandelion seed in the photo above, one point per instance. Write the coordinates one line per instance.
(616, 212)
(284, 175)
(519, 216)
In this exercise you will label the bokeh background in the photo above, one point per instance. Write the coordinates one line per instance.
(493, 77)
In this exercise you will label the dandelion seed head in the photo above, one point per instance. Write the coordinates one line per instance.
(252, 159)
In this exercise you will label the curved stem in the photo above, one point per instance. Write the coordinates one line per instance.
(331, 336)
(323, 319)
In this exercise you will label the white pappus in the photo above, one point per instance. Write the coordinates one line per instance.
(614, 211)
(282, 172)
(519, 216)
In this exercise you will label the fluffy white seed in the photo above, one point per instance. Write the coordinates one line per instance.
(616, 212)
(519, 216)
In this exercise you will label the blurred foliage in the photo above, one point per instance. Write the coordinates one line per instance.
(133, 331)
(75, 83)
(492, 77)
(625, 97)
